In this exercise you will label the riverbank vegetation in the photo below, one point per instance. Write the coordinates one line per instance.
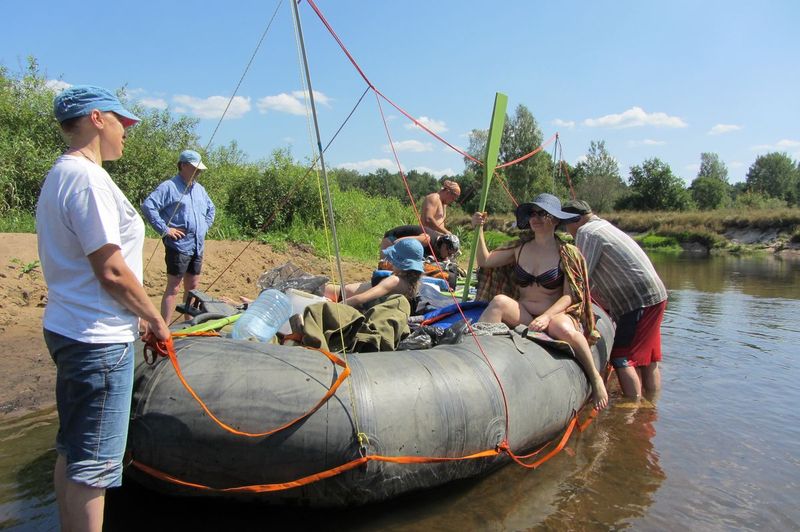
(279, 199)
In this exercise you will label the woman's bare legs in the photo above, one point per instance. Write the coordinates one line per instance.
(504, 309)
(562, 328)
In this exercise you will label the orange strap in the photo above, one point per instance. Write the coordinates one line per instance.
(328, 473)
(166, 348)
(261, 488)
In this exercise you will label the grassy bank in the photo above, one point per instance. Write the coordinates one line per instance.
(661, 230)
(362, 221)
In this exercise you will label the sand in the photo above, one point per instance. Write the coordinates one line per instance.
(28, 373)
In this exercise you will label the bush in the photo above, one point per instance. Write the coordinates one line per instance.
(270, 199)
(756, 200)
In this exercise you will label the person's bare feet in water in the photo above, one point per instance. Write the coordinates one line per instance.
(599, 394)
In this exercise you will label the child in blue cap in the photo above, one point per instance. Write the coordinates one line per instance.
(406, 257)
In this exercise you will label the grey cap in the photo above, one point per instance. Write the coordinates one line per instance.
(577, 207)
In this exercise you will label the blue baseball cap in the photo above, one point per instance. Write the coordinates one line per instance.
(406, 254)
(193, 158)
(80, 100)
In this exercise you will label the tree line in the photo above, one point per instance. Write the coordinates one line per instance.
(248, 194)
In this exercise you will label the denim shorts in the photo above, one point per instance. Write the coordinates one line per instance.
(94, 383)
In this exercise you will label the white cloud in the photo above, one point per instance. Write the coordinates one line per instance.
(57, 84)
(720, 129)
(580, 159)
(645, 142)
(635, 117)
(283, 103)
(319, 97)
(784, 145)
(435, 173)
(693, 168)
(154, 103)
(569, 124)
(409, 145)
(212, 107)
(437, 126)
(735, 164)
(369, 165)
(292, 103)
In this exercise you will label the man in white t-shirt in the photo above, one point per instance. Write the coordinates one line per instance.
(90, 242)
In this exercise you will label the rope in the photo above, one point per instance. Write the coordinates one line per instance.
(343, 293)
(433, 252)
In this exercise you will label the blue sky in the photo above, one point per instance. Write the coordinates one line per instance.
(652, 79)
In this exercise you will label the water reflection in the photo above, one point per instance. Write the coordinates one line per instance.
(27, 456)
(756, 275)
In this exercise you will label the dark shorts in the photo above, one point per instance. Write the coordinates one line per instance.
(179, 264)
(93, 396)
(637, 340)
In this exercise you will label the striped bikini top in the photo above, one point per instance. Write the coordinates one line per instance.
(551, 279)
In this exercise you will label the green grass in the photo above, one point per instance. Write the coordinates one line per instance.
(658, 243)
(17, 222)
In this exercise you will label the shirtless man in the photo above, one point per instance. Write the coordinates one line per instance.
(434, 208)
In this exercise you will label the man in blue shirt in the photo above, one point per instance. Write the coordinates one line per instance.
(181, 211)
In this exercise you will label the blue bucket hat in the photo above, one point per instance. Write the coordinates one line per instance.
(80, 100)
(546, 202)
(193, 158)
(406, 254)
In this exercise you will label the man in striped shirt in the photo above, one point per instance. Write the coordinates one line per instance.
(624, 282)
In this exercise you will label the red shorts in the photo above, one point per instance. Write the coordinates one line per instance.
(638, 338)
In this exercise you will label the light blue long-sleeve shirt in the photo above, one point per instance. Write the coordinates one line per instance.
(194, 213)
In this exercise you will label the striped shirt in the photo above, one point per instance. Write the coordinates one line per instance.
(621, 276)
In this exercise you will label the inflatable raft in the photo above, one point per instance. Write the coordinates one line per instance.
(397, 422)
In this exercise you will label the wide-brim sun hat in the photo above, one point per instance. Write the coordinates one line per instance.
(80, 100)
(548, 203)
(406, 254)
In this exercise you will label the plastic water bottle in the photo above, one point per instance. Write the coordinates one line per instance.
(263, 317)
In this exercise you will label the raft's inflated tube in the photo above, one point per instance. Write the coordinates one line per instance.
(442, 402)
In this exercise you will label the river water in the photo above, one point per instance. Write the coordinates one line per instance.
(718, 450)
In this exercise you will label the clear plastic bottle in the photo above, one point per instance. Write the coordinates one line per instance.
(263, 317)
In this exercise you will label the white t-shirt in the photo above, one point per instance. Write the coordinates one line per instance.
(80, 210)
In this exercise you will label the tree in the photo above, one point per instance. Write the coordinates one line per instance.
(710, 193)
(775, 175)
(597, 179)
(521, 135)
(710, 189)
(30, 138)
(712, 166)
(653, 186)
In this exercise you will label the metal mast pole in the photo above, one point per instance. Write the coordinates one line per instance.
(319, 148)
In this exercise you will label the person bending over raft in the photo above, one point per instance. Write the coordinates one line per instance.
(406, 261)
(550, 278)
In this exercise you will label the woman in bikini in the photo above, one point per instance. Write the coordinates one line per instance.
(550, 278)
